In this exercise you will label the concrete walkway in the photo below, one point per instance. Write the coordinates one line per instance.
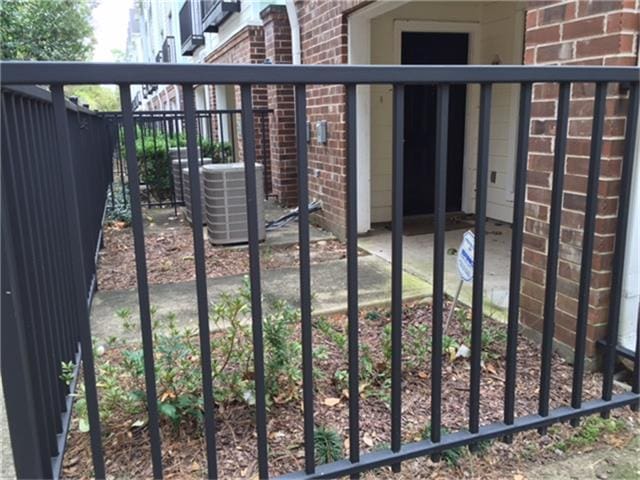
(328, 288)
(418, 260)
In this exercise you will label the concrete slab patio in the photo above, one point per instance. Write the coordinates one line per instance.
(328, 288)
(418, 260)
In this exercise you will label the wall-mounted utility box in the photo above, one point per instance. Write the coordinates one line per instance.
(321, 132)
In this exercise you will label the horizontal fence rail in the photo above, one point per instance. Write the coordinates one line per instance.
(50, 397)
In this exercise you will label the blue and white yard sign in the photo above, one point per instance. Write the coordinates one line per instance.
(465, 256)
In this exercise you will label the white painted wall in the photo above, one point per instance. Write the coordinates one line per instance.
(498, 31)
(249, 14)
(628, 332)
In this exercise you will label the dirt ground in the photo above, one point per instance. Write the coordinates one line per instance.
(170, 259)
(127, 448)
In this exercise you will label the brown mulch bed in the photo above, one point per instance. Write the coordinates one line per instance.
(127, 449)
(170, 259)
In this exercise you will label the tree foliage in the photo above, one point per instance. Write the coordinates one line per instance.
(46, 29)
(98, 97)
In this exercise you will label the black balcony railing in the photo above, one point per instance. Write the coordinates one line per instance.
(191, 37)
(30, 285)
(215, 13)
(169, 50)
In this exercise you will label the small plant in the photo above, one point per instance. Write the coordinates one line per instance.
(118, 205)
(124, 314)
(418, 345)
(373, 315)
(328, 445)
(387, 347)
(219, 152)
(68, 369)
(337, 337)
(283, 357)
(590, 432)
(451, 456)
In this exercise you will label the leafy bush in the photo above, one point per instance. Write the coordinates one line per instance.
(218, 151)
(154, 165)
(118, 208)
(121, 377)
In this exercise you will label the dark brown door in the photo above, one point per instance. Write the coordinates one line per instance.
(419, 48)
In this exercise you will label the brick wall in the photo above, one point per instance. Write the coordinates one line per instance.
(247, 46)
(574, 33)
(323, 30)
(284, 173)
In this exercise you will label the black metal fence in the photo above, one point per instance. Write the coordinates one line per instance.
(161, 149)
(56, 168)
(186, 76)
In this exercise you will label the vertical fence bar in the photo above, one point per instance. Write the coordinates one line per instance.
(628, 157)
(249, 150)
(516, 254)
(352, 277)
(145, 166)
(305, 277)
(62, 321)
(222, 142)
(75, 242)
(440, 203)
(553, 248)
(29, 239)
(201, 278)
(478, 256)
(635, 383)
(62, 223)
(171, 176)
(32, 395)
(587, 244)
(396, 270)
(31, 177)
(141, 272)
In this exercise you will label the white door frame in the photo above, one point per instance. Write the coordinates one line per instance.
(359, 53)
(473, 29)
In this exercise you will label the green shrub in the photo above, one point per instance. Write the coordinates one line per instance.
(328, 445)
(118, 205)
(121, 376)
(218, 151)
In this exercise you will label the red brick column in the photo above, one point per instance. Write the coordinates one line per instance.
(281, 125)
(574, 33)
(323, 32)
(247, 46)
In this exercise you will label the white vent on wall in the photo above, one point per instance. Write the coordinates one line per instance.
(226, 204)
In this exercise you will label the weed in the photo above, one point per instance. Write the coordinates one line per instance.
(451, 456)
(373, 315)
(328, 445)
(124, 314)
(338, 338)
(418, 345)
(590, 432)
(67, 372)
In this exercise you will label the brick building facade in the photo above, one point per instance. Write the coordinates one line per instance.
(574, 32)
